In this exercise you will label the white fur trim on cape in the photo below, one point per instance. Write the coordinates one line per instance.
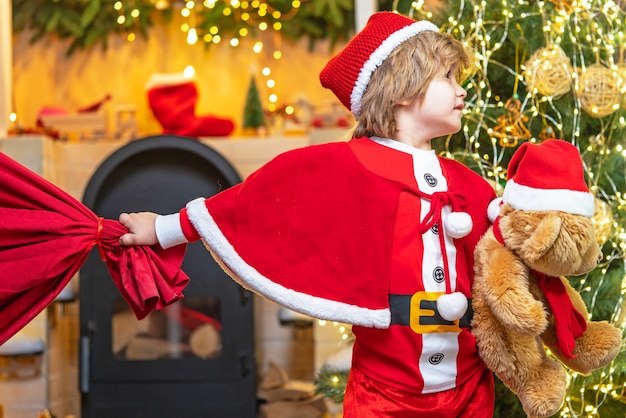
(379, 55)
(563, 200)
(246, 275)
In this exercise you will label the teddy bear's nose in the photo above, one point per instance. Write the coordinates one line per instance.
(599, 257)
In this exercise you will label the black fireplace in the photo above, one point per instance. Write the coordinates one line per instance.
(194, 358)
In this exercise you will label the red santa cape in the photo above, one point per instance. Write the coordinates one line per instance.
(312, 230)
(46, 236)
(301, 232)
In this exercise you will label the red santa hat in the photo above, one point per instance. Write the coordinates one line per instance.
(348, 73)
(548, 176)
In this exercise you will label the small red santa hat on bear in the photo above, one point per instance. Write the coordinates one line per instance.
(546, 176)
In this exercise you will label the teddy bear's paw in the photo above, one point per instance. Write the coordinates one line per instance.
(544, 395)
(596, 348)
(526, 316)
(543, 407)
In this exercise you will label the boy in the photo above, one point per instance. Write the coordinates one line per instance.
(378, 232)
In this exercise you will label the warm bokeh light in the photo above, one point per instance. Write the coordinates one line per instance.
(250, 18)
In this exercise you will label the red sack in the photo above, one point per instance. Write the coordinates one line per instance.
(45, 238)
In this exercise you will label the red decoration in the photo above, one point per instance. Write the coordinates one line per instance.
(173, 102)
(46, 236)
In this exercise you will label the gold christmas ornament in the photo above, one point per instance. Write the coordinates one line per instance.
(565, 5)
(547, 132)
(597, 140)
(599, 91)
(511, 126)
(549, 72)
(602, 221)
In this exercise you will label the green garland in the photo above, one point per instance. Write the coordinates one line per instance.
(84, 22)
(90, 22)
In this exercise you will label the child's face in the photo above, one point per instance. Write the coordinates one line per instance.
(439, 112)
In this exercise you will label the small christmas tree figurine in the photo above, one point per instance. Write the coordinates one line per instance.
(253, 114)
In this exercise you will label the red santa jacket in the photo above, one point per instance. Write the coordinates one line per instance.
(335, 231)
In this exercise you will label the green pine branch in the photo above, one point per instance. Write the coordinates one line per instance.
(92, 22)
(331, 383)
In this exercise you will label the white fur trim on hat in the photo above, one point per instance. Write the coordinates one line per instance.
(379, 55)
(563, 200)
(246, 275)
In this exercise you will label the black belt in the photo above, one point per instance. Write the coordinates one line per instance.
(425, 316)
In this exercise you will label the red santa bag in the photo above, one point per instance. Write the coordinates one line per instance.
(45, 238)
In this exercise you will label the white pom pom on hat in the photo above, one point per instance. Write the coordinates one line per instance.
(493, 210)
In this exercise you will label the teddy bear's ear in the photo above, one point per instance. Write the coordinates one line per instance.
(542, 238)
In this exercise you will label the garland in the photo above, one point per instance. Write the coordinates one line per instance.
(91, 22)
(86, 23)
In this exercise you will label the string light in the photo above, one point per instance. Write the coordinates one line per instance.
(251, 18)
(344, 331)
(189, 71)
(590, 33)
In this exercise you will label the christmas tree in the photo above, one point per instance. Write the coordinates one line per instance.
(550, 69)
(553, 69)
(253, 114)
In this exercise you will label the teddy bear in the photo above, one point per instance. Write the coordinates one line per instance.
(542, 231)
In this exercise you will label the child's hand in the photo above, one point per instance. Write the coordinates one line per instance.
(141, 230)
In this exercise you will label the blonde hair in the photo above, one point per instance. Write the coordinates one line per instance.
(405, 75)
